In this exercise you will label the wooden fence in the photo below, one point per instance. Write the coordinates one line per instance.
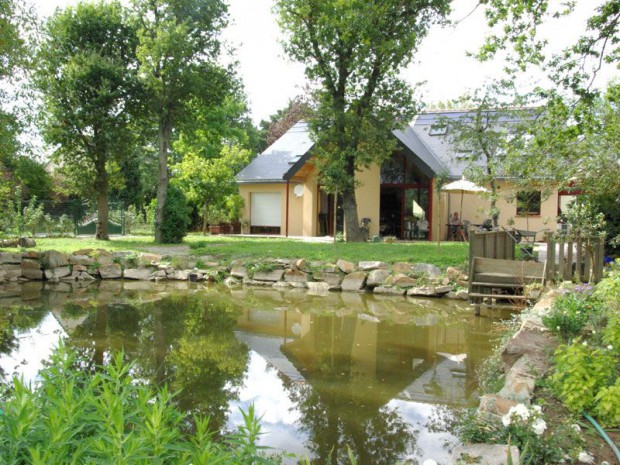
(572, 259)
(491, 244)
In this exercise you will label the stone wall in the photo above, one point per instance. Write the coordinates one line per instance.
(412, 279)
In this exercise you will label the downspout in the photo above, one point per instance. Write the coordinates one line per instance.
(287, 199)
(431, 191)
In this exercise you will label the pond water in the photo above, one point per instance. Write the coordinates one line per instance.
(325, 372)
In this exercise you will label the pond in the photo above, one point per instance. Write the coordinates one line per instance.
(326, 372)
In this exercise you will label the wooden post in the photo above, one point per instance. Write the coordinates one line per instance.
(550, 257)
(568, 272)
(561, 261)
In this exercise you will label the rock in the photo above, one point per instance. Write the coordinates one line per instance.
(402, 267)
(31, 269)
(27, 242)
(281, 285)
(53, 259)
(404, 281)
(299, 264)
(150, 258)
(496, 405)
(458, 295)
(85, 276)
(80, 260)
(140, 274)
(11, 272)
(443, 290)
(453, 273)
(105, 258)
(80, 268)
(2, 275)
(377, 278)
(388, 290)
(299, 285)
(354, 281)
(369, 266)
(239, 271)
(161, 274)
(231, 282)
(533, 340)
(345, 266)
(10, 258)
(253, 282)
(295, 276)
(57, 272)
(484, 454)
(271, 276)
(366, 317)
(112, 271)
(318, 287)
(520, 380)
(180, 275)
(427, 291)
(333, 279)
(427, 269)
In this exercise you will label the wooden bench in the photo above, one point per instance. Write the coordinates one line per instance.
(490, 278)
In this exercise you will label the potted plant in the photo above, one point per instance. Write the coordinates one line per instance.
(216, 218)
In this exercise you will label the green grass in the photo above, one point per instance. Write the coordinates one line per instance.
(226, 249)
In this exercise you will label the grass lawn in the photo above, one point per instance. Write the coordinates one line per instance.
(226, 249)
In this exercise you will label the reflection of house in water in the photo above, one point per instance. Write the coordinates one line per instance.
(360, 355)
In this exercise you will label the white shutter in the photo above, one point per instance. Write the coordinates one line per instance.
(266, 209)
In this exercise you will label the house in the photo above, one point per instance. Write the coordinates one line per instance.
(283, 196)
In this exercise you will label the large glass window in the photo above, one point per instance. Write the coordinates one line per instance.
(528, 203)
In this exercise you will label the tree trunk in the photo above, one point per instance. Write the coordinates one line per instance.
(164, 134)
(205, 219)
(352, 229)
(494, 211)
(101, 187)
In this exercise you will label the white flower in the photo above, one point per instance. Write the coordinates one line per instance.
(429, 462)
(537, 408)
(610, 347)
(506, 420)
(520, 410)
(539, 426)
(576, 427)
(585, 457)
(584, 343)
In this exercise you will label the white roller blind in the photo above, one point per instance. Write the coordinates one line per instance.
(266, 209)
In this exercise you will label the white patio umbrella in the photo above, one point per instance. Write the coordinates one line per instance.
(463, 186)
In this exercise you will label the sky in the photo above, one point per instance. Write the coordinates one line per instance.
(271, 79)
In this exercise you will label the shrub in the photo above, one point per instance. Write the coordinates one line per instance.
(572, 312)
(108, 417)
(176, 217)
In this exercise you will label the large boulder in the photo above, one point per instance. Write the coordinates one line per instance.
(345, 266)
(354, 281)
(112, 271)
(140, 274)
(402, 267)
(53, 259)
(369, 266)
(269, 276)
(57, 272)
(11, 272)
(10, 258)
(31, 269)
(333, 279)
(27, 242)
(404, 281)
(239, 271)
(377, 277)
(295, 276)
(84, 260)
(533, 340)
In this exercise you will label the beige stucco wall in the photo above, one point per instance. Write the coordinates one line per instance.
(476, 209)
(368, 197)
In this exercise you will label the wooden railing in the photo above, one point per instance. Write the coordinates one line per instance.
(571, 259)
(490, 244)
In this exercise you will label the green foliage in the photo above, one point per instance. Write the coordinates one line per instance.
(75, 416)
(176, 217)
(571, 313)
(33, 216)
(581, 372)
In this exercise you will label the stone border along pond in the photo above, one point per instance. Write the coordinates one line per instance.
(398, 279)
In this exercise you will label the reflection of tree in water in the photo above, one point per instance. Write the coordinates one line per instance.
(185, 341)
(335, 423)
(341, 408)
(15, 320)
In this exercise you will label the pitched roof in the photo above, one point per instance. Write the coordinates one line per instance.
(423, 141)
(281, 160)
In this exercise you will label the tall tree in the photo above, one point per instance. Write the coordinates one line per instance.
(353, 51)
(85, 77)
(177, 52)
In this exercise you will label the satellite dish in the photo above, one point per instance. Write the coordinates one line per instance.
(298, 190)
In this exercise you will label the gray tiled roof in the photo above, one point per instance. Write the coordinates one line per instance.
(281, 160)
(433, 153)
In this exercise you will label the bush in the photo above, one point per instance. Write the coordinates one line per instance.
(176, 217)
(572, 312)
(75, 416)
